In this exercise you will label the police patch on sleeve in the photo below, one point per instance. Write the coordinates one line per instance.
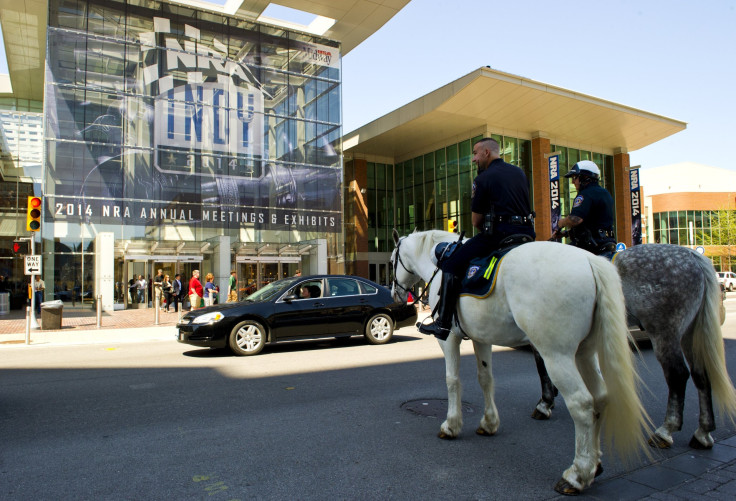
(472, 194)
(578, 200)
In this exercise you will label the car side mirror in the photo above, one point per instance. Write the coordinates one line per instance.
(290, 298)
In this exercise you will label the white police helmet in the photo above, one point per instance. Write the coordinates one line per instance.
(585, 168)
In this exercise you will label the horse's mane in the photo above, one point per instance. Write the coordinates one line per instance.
(430, 238)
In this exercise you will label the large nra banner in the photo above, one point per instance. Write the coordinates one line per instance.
(171, 128)
(635, 206)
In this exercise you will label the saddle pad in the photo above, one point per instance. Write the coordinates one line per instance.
(480, 278)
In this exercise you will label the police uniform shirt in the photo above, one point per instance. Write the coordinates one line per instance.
(594, 205)
(504, 188)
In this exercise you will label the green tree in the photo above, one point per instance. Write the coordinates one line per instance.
(723, 224)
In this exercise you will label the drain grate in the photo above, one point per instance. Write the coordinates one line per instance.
(434, 407)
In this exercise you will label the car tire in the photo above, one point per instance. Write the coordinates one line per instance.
(730, 287)
(379, 329)
(247, 338)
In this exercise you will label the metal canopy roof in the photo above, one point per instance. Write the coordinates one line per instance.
(511, 105)
(24, 25)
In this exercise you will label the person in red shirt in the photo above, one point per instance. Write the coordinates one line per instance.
(195, 290)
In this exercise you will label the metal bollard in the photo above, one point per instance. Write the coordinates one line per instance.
(157, 307)
(28, 325)
(99, 311)
(178, 311)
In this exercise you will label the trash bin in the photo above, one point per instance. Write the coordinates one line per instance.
(4, 303)
(51, 314)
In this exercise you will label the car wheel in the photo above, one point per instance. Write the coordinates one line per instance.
(380, 329)
(247, 338)
(730, 287)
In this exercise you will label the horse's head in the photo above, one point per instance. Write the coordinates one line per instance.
(402, 263)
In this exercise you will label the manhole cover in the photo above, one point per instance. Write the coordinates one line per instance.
(433, 407)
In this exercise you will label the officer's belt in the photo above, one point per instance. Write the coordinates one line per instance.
(521, 220)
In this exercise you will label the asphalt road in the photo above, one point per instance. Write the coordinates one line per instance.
(313, 420)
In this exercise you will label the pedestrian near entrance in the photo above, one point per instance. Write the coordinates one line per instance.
(232, 288)
(167, 289)
(38, 288)
(158, 288)
(195, 291)
(141, 287)
(177, 293)
(210, 290)
(500, 207)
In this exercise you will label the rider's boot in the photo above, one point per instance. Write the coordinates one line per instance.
(448, 297)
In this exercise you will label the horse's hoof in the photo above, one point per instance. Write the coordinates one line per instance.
(599, 470)
(483, 432)
(695, 444)
(445, 436)
(539, 416)
(658, 442)
(566, 488)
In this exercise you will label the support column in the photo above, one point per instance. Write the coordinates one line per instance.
(104, 265)
(221, 264)
(622, 195)
(540, 182)
(359, 219)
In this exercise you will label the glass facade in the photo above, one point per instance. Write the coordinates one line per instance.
(172, 127)
(430, 189)
(696, 227)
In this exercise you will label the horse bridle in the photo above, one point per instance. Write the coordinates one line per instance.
(396, 282)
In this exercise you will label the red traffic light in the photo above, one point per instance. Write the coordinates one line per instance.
(33, 215)
(20, 247)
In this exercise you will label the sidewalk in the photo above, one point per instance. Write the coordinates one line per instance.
(79, 326)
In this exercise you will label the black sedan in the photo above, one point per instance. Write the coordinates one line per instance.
(299, 308)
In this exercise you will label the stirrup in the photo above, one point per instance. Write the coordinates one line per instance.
(440, 333)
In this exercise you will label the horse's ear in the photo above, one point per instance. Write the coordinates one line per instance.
(395, 234)
(416, 230)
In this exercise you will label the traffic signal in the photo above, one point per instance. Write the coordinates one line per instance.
(20, 247)
(33, 214)
(452, 225)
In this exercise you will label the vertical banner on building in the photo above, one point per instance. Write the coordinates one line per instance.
(635, 206)
(554, 190)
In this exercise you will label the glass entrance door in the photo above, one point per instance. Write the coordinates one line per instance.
(136, 296)
(252, 275)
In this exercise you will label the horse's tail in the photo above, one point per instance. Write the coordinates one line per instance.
(708, 350)
(626, 424)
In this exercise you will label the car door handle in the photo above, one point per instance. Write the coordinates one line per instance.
(317, 304)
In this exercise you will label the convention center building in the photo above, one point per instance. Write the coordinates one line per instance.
(412, 169)
(693, 205)
(174, 135)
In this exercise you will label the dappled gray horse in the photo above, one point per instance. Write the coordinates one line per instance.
(673, 294)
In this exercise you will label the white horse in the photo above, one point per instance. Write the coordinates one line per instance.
(568, 303)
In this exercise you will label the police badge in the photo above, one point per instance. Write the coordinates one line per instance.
(472, 271)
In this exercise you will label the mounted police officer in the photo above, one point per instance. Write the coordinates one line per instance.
(500, 208)
(591, 218)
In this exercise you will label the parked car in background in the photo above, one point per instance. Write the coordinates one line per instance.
(727, 279)
(299, 308)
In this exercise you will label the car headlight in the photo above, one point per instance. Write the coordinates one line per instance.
(209, 318)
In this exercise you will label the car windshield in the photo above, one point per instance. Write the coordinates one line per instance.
(271, 290)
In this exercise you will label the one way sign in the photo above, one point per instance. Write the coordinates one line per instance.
(33, 265)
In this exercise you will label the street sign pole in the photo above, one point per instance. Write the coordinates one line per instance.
(34, 323)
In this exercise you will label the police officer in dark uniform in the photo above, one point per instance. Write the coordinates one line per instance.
(500, 207)
(591, 218)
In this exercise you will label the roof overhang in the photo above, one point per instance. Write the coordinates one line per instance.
(512, 105)
(24, 25)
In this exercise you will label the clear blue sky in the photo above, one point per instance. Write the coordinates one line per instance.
(673, 58)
